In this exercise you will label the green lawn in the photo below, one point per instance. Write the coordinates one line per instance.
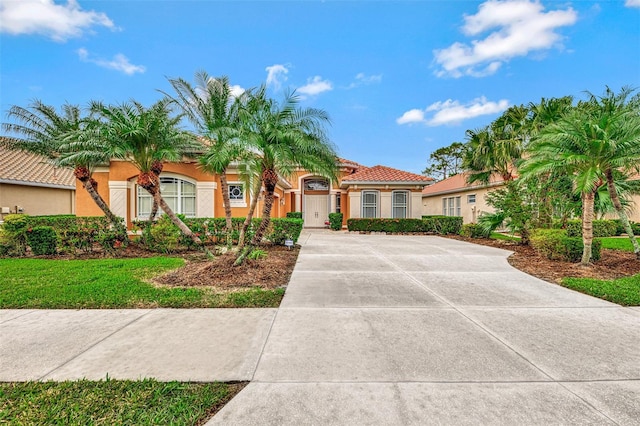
(617, 243)
(499, 236)
(623, 291)
(111, 283)
(112, 402)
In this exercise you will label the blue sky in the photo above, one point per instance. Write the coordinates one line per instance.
(399, 79)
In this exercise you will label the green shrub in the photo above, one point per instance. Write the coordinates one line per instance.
(282, 229)
(555, 244)
(473, 230)
(601, 228)
(257, 254)
(14, 239)
(434, 225)
(164, 236)
(294, 215)
(335, 221)
(43, 240)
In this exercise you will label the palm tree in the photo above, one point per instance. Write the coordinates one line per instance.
(616, 121)
(146, 137)
(46, 132)
(284, 137)
(575, 145)
(211, 107)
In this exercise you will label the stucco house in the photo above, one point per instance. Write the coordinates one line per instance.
(455, 197)
(360, 191)
(30, 184)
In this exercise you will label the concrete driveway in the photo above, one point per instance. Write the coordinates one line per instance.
(380, 329)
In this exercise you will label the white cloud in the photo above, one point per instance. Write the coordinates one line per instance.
(276, 75)
(236, 90)
(315, 86)
(119, 62)
(57, 21)
(632, 3)
(362, 79)
(452, 112)
(411, 116)
(517, 27)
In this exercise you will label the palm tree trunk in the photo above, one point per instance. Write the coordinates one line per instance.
(249, 218)
(613, 194)
(175, 219)
(224, 187)
(270, 180)
(90, 186)
(154, 212)
(587, 226)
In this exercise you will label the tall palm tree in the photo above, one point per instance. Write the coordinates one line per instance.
(575, 145)
(616, 121)
(43, 130)
(211, 107)
(283, 137)
(146, 137)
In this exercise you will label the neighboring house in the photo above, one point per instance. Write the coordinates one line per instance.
(455, 197)
(360, 192)
(30, 184)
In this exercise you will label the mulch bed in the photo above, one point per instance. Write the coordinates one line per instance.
(613, 263)
(269, 272)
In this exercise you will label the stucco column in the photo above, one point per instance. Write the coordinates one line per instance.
(298, 205)
(354, 205)
(204, 199)
(416, 205)
(385, 205)
(118, 197)
(332, 202)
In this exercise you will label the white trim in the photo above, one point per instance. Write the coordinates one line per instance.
(407, 205)
(205, 204)
(378, 201)
(118, 197)
(238, 203)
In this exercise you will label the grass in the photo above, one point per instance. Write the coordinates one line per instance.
(112, 283)
(617, 243)
(499, 236)
(623, 291)
(109, 402)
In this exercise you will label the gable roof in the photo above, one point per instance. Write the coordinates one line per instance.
(458, 183)
(24, 168)
(384, 174)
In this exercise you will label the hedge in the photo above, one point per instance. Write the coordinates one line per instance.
(555, 244)
(164, 236)
(294, 215)
(42, 240)
(635, 227)
(601, 228)
(432, 225)
(335, 221)
(473, 230)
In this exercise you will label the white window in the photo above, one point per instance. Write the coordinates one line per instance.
(451, 206)
(471, 199)
(400, 204)
(236, 194)
(369, 204)
(179, 194)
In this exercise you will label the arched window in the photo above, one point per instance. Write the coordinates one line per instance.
(179, 194)
(400, 204)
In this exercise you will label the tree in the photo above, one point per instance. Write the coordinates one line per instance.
(43, 130)
(574, 145)
(214, 111)
(146, 137)
(445, 162)
(283, 137)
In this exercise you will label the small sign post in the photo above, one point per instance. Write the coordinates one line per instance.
(288, 243)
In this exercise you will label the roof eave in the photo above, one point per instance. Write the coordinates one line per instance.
(463, 189)
(38, 184)
(383, 182)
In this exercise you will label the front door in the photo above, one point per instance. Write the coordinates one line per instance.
(316, 210)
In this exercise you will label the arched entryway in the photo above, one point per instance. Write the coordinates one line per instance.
(315, 202)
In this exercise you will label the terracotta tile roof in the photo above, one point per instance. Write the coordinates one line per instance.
(31, 169)
(385, 174)
(349, 163)
(457, 183)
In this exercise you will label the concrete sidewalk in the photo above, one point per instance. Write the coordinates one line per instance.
(373, 329)
(424, 330)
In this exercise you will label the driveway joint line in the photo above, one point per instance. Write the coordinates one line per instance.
(27, 312)
(264, 345)
(93, 345)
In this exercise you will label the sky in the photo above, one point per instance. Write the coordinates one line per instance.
(399, 79)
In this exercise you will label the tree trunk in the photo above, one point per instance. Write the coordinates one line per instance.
(613, 194)
(224, 187)
(587, 226)
(270, 179)
(154, 212)
(89, 185)
(249, 218)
